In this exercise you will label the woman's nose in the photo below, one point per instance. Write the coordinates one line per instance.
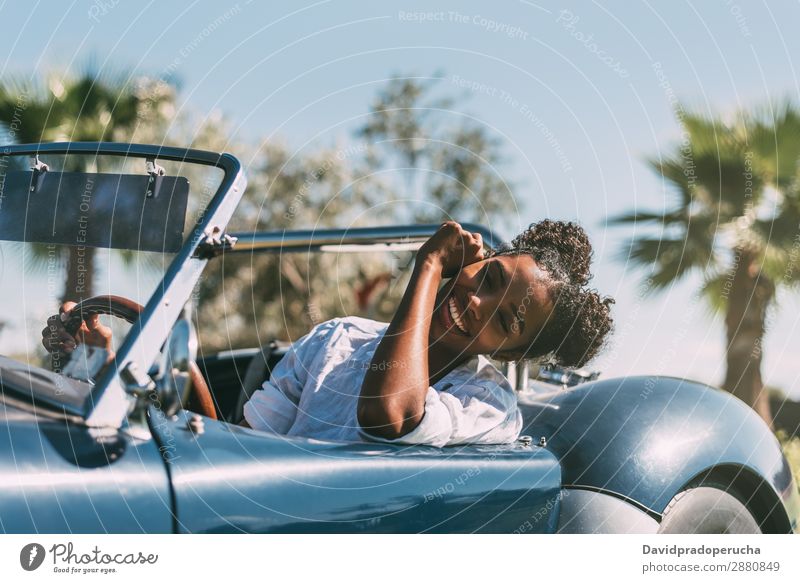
(473, 305)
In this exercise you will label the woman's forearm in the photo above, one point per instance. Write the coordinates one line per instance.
(392, 398)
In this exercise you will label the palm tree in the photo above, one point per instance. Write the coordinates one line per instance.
(736, 220)
(89, 107)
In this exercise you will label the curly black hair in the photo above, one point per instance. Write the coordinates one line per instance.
(577, 328)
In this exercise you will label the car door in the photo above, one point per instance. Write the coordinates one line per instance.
(230, 479)
(59, 476)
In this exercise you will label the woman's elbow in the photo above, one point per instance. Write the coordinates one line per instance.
(386, 422)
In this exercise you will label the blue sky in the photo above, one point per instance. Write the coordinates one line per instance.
(579, 92)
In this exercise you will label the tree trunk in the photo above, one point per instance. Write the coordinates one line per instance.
(79, 283)
(750, 294)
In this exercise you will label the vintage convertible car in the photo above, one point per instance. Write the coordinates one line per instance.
(149, 441)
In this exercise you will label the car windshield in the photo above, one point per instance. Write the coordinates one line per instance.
(75, 226)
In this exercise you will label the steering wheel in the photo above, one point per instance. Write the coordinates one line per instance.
(129, 311)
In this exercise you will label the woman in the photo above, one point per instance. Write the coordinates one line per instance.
(422, 379)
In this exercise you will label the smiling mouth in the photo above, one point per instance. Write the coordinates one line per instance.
(451, 317)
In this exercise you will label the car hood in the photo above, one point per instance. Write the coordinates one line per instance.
(20, 381)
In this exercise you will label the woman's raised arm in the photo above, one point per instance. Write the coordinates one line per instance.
(392, 398)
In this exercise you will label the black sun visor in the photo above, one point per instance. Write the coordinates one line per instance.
(118, 211)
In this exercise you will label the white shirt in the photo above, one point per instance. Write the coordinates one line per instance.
(313, 392)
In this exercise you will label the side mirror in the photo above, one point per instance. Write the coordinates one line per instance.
(172, 379)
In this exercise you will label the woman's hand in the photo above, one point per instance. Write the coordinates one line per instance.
(56, 339)
(452, 247)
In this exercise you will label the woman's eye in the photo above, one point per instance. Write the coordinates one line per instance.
(484, 279)
(488, 277)
(501, 323)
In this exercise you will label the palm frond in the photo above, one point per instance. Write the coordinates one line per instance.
(668, 260)
(715, 291)
(707, 134)
(673, 170)
(777, 241)
(667, 218)
(772, 133)
(781, 230)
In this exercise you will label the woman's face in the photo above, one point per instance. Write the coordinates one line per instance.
(492, 306)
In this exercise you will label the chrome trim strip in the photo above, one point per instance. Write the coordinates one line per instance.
(649, 511)
(313, 240)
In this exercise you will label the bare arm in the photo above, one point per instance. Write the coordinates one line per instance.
(392, 398)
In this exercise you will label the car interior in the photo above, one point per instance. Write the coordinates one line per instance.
(234, 375)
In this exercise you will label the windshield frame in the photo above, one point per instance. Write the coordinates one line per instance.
(108, 403)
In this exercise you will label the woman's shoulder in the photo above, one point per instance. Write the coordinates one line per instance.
(350, 326)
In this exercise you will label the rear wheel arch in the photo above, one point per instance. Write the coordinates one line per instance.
(750, 489)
